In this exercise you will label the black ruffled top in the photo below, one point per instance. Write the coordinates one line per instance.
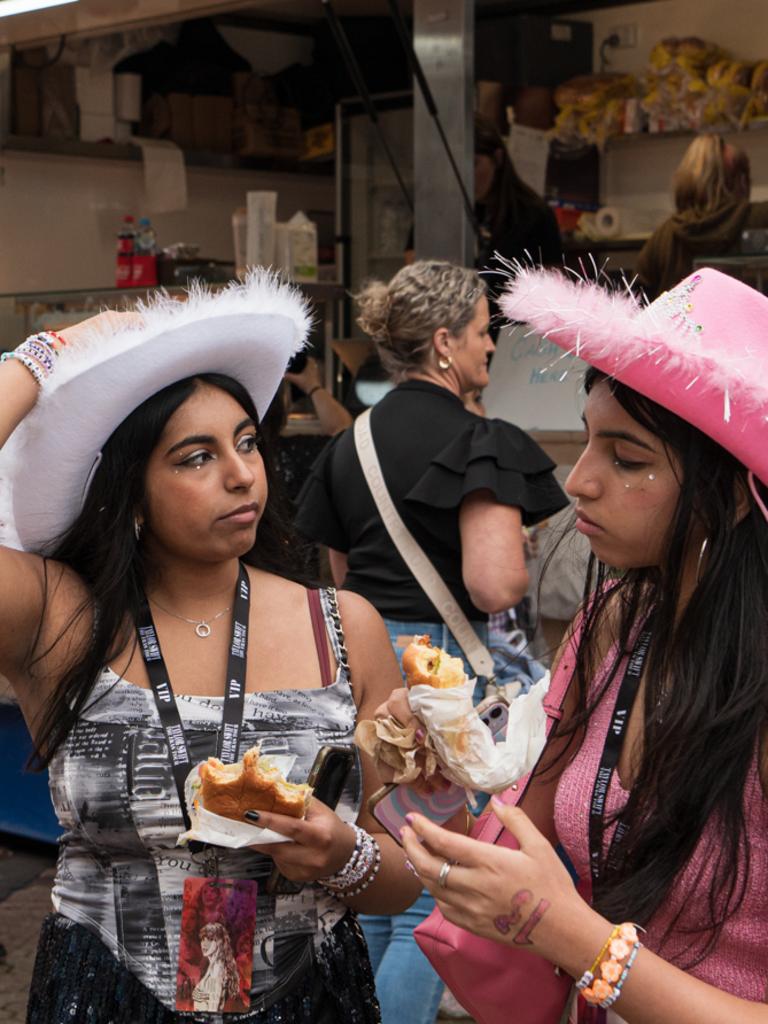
(433, 452)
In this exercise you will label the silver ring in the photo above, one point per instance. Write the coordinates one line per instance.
(442, 878)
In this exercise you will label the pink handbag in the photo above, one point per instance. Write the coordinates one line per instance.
(495, 983)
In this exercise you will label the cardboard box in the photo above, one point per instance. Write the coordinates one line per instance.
(58, 118)
(278, 135)
(212, 123)
(180, 128)
(26, 101)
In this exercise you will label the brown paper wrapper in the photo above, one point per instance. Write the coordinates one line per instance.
(394, 745)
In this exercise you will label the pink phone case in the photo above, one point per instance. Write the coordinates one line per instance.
(441, 805)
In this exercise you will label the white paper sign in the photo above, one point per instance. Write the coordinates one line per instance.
(528, 150)
(534, 383)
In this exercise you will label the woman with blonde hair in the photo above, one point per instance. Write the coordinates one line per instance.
(711, 190)
(463, 485)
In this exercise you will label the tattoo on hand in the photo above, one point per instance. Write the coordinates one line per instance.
(523, 936)
(504, 923)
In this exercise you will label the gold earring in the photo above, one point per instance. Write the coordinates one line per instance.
(445, 362)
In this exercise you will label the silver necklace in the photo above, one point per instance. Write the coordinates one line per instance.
(202, 626)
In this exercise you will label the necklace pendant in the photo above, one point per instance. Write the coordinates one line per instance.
(203, 630)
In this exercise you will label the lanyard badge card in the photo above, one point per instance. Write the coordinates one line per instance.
(218, 917)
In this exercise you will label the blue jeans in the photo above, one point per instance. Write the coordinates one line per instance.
(408, 988)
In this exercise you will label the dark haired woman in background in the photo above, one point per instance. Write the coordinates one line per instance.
(141, 503)
(514, 220)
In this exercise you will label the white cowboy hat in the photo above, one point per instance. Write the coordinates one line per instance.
(247, 331)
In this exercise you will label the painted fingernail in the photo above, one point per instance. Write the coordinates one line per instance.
(420, 735)
(409, 818)
(252, 816)
(410, 867)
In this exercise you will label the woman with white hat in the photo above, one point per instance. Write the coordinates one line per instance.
(151, 566)
(656, 780)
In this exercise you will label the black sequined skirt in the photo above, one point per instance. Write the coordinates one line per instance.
(77, 980)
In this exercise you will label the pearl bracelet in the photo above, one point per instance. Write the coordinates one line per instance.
(359, 871)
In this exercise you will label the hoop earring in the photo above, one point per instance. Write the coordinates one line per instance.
(702, 552)
(445, 362)
(137, 530)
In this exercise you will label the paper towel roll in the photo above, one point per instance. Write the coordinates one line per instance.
(608, 222)
(165, 175)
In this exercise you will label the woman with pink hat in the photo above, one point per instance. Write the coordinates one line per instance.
(654, 779)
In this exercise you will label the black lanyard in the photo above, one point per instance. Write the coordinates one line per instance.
(234, 694)
(614, 741)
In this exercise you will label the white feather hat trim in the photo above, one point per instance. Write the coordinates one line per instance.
(247, 331)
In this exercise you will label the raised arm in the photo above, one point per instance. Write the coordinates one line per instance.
(332, 415)
(26, 587)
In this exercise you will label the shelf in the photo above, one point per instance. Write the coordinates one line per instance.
(617, 141)
(192, 158)
(318, 291)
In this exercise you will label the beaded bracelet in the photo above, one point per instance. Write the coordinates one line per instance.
(589, 976)
(359, 871)
(374, 871)
(52, 339)
(607, 1003)
(37, 354)
(357, 866)
(620, 947)
(35, 368)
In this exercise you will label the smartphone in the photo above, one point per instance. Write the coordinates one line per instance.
(330, 772)
(327, 778)
(390, 804)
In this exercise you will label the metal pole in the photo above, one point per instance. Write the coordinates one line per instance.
(444, 44)
(418, 73)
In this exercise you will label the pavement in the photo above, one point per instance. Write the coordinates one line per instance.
(26, 876)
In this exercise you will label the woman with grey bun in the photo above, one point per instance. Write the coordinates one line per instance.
(464, 486)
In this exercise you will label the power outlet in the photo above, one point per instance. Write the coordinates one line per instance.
(627, 35)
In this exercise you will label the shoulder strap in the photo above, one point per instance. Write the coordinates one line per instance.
(428, 578)
(321, 639)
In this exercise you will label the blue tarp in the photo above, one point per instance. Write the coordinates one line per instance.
(25, 805)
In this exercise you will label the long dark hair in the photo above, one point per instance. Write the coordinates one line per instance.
(101, 547)
(706, 690)
(510, 198)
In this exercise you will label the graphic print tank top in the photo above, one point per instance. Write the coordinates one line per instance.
(120, 873)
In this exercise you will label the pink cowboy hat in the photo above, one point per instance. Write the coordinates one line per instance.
(700, 350)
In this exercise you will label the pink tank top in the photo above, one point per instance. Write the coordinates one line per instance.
(739, 963)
